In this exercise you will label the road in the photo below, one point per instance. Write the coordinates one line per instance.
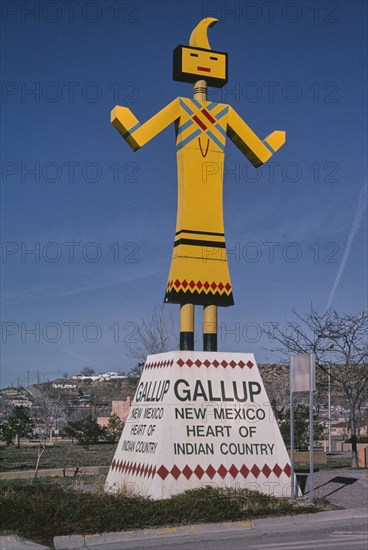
(331, 534)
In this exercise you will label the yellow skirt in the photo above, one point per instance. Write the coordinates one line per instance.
(199, 272)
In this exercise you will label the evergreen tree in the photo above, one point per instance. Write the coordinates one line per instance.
(85, 431)
(19, 424)
(112, 431)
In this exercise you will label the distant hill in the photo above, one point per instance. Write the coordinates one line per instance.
(119, 389)
(98, 394)
(73, 395)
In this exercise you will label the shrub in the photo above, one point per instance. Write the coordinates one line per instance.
(65, 511)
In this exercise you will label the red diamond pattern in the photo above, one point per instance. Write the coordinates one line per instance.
(244, 471)
(187, 472)
(207, 363)
(210, 471)
(222, 471)
(163, 472)
(233, 471)
(159, 364)
(199, 471)
(175, 472)
(149, 471)
(255, 470)
(216, 287)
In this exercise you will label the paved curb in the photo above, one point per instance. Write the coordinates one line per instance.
(54, 472)
(12, 542)
(81, 541)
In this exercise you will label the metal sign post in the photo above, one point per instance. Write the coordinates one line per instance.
(292, 460)
(302, 378)
(312, 383)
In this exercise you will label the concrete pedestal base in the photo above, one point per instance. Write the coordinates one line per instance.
(200, 418)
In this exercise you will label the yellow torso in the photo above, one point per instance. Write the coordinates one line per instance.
(200, 142)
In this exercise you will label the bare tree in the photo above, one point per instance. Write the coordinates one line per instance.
(277, 385)
(155, 335)
(45, 414)
(340, 343)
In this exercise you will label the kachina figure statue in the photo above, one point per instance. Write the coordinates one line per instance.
(199, 272)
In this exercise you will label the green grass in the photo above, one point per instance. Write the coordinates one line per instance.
(64, 455)
(65, 511)
(59, 456)
(333, 462)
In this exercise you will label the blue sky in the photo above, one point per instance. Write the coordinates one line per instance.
(101, 219)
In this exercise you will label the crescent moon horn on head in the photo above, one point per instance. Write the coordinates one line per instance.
(198, 38)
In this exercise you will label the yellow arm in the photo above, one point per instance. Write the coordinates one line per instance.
(137, 134)
(256, 151)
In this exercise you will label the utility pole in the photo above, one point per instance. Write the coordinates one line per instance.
(330, 348)
(329, 403)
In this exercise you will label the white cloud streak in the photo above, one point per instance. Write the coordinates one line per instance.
(359, 213)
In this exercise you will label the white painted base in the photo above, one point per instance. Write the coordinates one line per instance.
(200, 418)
